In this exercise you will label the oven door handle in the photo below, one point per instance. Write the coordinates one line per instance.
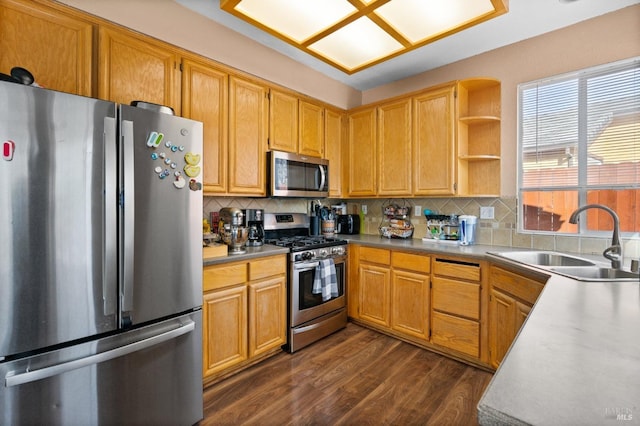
(302, 266)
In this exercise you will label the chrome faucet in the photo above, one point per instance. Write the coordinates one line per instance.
(613, 253)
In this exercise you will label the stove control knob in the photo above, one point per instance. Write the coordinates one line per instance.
(307, 255)
(323, 253)
(338, 250)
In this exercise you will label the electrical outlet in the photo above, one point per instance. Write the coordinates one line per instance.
(417, 211)
(487, 213)
(364, 209)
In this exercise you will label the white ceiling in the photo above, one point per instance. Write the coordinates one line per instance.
(525, 19)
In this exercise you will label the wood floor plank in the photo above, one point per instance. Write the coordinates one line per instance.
(356, 376)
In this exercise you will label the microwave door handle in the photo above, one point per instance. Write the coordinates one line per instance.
(323, 176)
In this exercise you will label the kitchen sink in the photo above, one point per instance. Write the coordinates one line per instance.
(595, 273)
(544, 258)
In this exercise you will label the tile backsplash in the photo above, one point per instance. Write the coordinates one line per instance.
(500, 231)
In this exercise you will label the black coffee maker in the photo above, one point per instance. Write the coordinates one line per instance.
(254, 221)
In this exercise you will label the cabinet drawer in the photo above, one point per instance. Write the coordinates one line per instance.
(224, 275)
(411, 262)
(267, 267)
(456, 297)
(515, 284)
(375, 255)
(456, 333)
(457, 269)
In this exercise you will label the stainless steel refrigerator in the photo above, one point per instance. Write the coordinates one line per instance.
(100, 262)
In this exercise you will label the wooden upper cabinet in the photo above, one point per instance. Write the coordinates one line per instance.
(132, 68)
(248, 112)
(394, 148)
(310, 129)
(433, 142)
(295, 125)
(283, 121)
(333, 150)
(54, 46)
(362, 153)
(205, 98)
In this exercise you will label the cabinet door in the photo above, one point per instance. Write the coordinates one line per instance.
(283, 121)
(311, 129)
(374, 282)
(502, 325)
(247, 137)
(133, 67)
(456, 297)
(205, 99)
(433, 146)
(333, 151)
(410, 304)
(267, 315)
(56, 48)
(224, 315)
(362, 153)
(394, 148)
(456, 333)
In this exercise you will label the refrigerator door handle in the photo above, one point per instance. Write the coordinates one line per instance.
(110, 279)
(13, 379)
(129, 216)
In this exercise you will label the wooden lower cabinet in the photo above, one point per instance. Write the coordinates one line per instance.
(393, 291)
(225, 329)
(267, 313)
(410, 307)
(410, 286)
(456, 303)
(374, 293)
(512, 296)
(244, 314)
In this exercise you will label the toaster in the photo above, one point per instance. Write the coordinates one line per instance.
(348, 224)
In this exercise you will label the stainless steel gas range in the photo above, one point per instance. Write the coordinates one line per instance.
(317, 278)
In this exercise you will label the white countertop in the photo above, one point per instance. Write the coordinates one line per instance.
(576, 360)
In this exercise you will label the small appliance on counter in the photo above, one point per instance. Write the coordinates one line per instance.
(254, 221)
(451, 229)
(467, 229)
(348, 224)
(232, 231)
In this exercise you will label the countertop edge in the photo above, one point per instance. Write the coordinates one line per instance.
(251, 253)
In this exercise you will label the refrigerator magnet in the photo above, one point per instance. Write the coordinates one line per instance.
(194, 185)
(179, 182)
(8, 148)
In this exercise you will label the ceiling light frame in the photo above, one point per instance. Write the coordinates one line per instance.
(398, 43)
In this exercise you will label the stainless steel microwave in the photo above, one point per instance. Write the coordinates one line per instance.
(293, 175)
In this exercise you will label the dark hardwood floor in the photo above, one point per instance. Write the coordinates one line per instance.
(354, 377)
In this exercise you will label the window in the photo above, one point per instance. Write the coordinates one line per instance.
(579, 143)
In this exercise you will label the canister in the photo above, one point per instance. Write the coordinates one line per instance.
(467, 229)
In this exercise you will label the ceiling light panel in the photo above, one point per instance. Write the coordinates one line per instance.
(352, 35)
(419, 20)
(295, 19)
(358, 43)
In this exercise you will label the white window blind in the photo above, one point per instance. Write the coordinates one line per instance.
(579, 143)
